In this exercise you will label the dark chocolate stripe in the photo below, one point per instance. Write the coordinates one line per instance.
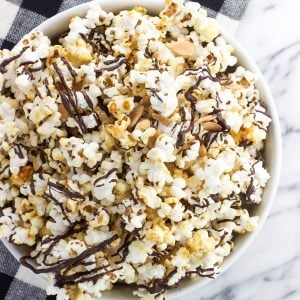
(7, 61)
(68, 262)
(114, 64)
(95, 47)
(68, 100)
(105, 176)
(70, 69)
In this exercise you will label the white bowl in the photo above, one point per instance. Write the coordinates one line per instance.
(59, 23)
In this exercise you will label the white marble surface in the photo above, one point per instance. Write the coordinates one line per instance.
(270, 269)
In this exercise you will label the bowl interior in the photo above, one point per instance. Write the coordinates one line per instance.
(59, 23)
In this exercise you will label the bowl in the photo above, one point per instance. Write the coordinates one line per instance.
(59, 23)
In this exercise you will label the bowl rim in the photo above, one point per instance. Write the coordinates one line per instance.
(245, 60)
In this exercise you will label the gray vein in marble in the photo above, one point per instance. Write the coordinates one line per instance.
(276, 274)
(269, 7)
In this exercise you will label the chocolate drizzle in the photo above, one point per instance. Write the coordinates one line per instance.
(209, 138)
(227, 220)
(95, 47)
(46, 83)
(148, 54)
(155, 91)
(250, 190)
(204, 74)
(91, 107)
(96, 183)
(97, 39)
(7, 61)
(59, 188)
(123, 251)
(2, 171)
(69, 101)
(70, 69)
(79, 277)
(114, 64)
(158, 285)
(58, 268)
(189, 95)
(183, 131)
(221, 121)
(209, 272)
(52, 241)
(222, 239)
(18, 151)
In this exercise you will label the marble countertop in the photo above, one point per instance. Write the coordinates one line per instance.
(270, 268)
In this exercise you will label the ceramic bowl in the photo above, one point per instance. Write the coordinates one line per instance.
(59, 23)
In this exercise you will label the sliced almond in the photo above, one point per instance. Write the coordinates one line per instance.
(182, 48)
(63, 112)
(199, 94)
(164, 120)
(171, 166)
(135, 115)
(104, 118)
(202, 151)
(206, 119)
(212, 126)
(152, 139)
(108, 127)
(145, 102)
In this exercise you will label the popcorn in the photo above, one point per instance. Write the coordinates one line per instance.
(177, 187)
(191, 154)
(7, 194)
(94, 236)
(163, 150)
(139, 251)
(173, 213)
(130, 150)
(103, 185)
(18, 158)
(149, 195)
(80, 152)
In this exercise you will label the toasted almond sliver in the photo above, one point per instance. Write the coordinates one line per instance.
(206, 119)
(104, 118)
(108, 127)
(182, 48)
(202, 151)
(152, 139)
(63, 112)
(212, 126)
(164, 120)
(145, 102)
(171, 166)
(135, 115)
